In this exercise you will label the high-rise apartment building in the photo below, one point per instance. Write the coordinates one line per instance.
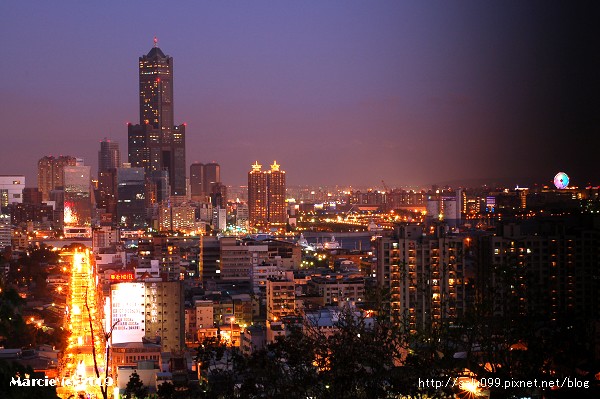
(266, 196)
(544, 269)
(156, 144)
(50, 173)
(425, 276)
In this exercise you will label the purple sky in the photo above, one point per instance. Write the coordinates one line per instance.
(338, 92)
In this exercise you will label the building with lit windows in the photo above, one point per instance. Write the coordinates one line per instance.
(425, 276)
(212, 176)
(77, 196)
(156, 144)
(266, 196)
(109, 159)
(11, 189)
(281, 299)
(235, 260)
(197, 190)
(546, 270)
(50, 173)
(241, 216)
(177, 218)
(150, 310)
(338, 289)
(131, 198)
(5, 231)
(109, 156)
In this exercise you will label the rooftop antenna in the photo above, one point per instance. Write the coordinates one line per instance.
(155, 41)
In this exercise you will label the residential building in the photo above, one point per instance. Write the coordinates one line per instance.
(266, 196)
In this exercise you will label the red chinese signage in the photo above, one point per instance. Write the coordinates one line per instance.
(123, 276)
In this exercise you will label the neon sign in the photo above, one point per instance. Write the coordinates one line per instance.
(123, 276)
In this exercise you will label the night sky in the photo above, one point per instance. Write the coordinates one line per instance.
(338, 92)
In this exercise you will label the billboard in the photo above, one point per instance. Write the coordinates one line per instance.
(127, 307)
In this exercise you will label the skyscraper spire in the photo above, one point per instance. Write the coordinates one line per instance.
(156, 144)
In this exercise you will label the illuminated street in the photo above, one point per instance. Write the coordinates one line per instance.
(82, 313)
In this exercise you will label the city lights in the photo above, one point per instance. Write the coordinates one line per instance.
(83, 312)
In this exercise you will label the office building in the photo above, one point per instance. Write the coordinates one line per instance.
(109, 156)
(197, 190)
(131, 199)
(77, 196)
(241, 216)
(50, 173)
(11, 189)
(156, 144)
(31, 195)
(218, 196)
(106, 194)
(212, 176)
(266, 196)
(235, 260)
(219, 219)
(5, 231)
(33, 215)
(205, 181)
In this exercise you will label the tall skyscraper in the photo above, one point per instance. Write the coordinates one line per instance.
(197, 190)
(109, 159)
(257, 195)
(276, 195)
(205, 180)
(266, 196)
(109, 156)
(156, 144)
(50, 173)
(212, 176)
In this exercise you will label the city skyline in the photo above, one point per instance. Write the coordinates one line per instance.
(343, 93)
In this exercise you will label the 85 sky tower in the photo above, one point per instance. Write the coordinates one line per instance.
(156, 144)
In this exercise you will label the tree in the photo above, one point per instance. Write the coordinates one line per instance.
(10, 370)
(14, 331)
(166, 390)
(135, 388)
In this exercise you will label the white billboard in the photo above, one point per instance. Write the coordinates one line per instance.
(127, 307)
